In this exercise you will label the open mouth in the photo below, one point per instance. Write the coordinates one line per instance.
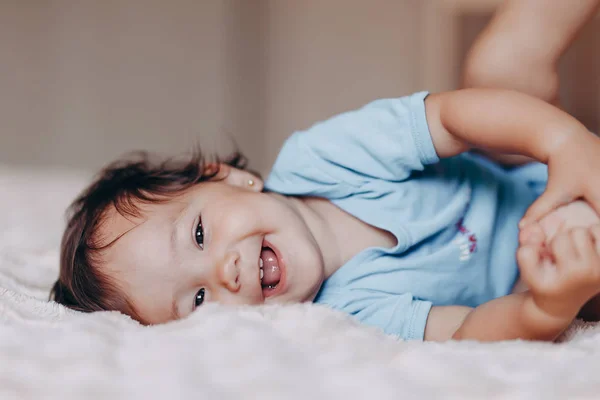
(271, 270)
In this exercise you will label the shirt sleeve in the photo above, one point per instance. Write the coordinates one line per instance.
(399, 315)
(386, 139)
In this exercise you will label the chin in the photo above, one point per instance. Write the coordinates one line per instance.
(313, 288)
(307, 291)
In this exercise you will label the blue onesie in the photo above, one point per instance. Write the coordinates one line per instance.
(455, 219)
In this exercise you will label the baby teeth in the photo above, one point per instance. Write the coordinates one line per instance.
(261, 264)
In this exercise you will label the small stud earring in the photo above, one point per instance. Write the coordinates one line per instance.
(250, 182)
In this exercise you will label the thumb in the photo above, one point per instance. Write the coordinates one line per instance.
(548, 201)
(532, 234)
(529, 259)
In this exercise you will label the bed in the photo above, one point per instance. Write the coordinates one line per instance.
(292, 352)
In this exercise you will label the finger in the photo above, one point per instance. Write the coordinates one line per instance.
(595, 232)
(529, 260)
(563, 250)
(532, 234)
(583, 243)
(548, 201)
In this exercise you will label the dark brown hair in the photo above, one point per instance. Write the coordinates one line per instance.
(124, 185)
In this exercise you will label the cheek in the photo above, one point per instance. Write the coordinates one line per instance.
(231, 209)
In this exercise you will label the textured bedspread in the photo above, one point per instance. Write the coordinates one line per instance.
(296, 352)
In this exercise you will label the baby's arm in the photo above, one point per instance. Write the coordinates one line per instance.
(522, 45)
(505, 318)
(499, 120)
(520, 49)
(560, 284)
(513, 122)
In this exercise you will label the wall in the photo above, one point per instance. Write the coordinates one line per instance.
(325, 57)
(82, 82)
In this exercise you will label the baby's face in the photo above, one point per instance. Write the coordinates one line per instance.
(208, 245)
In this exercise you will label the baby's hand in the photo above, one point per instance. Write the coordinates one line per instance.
(573, 163)
(564, 275)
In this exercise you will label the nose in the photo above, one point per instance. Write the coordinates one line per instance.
(228, 271)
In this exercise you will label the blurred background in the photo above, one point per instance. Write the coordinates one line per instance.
(83, 82)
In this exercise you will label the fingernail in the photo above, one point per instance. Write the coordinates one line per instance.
(522, 223)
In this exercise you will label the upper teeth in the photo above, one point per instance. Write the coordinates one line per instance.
(261, 264)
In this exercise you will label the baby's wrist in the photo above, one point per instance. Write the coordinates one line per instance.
(547, 313)
(564, 140)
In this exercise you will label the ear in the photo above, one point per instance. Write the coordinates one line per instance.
(240, 178)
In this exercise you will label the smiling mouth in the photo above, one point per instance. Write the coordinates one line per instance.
(270, 270)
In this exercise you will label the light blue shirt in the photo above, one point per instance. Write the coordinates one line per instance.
(455, 219)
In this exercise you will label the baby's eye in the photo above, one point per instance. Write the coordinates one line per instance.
(199, 299)
(200, 235)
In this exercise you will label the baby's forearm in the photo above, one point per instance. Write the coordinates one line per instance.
(515, 316)
(498, 120)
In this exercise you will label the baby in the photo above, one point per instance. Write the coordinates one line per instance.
(379, 212)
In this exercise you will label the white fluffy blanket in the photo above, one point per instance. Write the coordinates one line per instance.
(295, 352)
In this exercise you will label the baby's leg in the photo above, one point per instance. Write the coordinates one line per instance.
(521, 47)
